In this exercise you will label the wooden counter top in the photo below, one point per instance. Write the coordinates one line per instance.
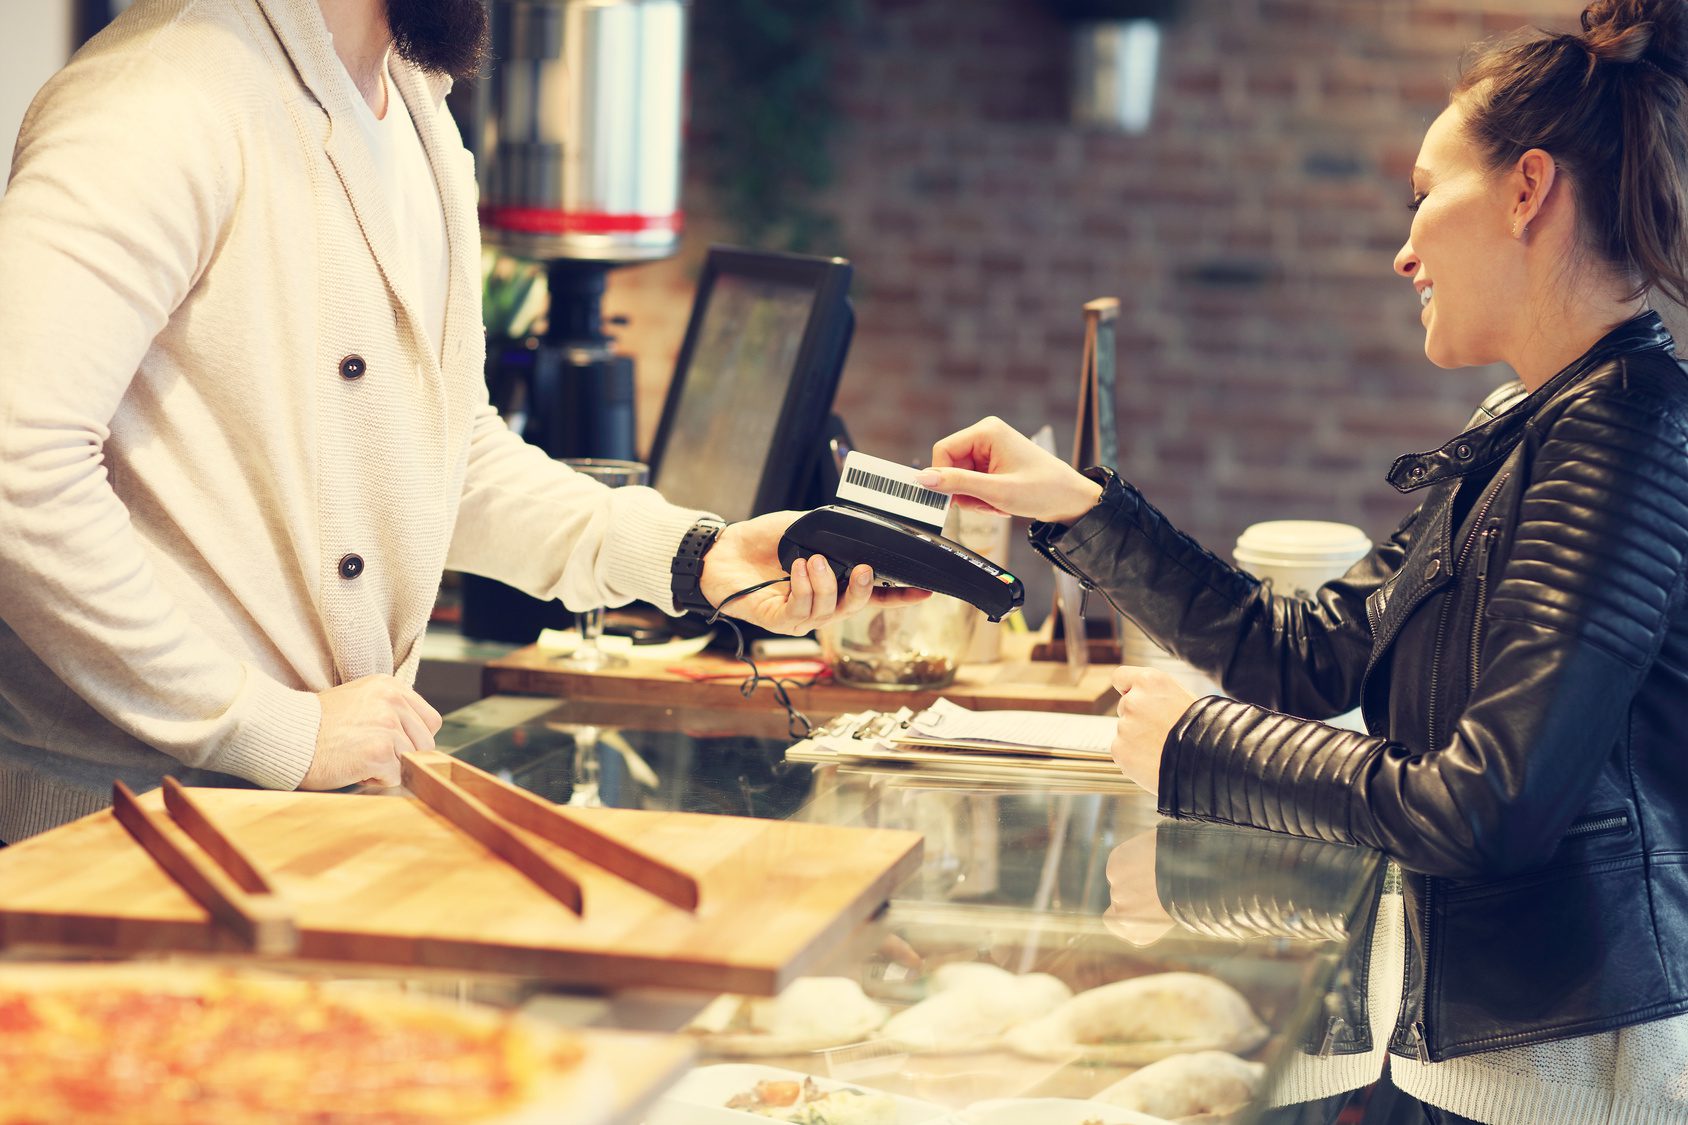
(1014, 683)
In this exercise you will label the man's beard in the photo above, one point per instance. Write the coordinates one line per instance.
(443, 36)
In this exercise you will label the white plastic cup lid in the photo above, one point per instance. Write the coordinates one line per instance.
(1303, 541)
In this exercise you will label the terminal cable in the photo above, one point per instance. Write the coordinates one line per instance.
(797, 724)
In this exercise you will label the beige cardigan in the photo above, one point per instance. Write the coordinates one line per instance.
(192, 241)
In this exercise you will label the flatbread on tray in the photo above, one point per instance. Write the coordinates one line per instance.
(969, 1005)
(1142, 1020)
(1206, 1086)
(812, 1014)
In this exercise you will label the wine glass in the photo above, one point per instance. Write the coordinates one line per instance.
(589, 657)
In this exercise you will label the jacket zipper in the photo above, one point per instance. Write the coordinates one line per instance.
(1605, 822)
(1054, 555)
(1059, 558)
(1421, 1038)
(1436, 668)
(1483, 557)
(1394, 883)
(1447, 606)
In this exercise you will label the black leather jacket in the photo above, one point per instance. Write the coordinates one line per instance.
(1520, 649)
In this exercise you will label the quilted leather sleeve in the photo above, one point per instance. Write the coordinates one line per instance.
(1301, 655)
(1587, 593)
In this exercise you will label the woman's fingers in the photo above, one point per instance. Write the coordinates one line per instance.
(976, 447)
(993, 490)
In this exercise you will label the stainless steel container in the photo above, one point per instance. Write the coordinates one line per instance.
(578, 132)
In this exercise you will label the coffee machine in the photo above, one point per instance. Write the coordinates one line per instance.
(576, 132)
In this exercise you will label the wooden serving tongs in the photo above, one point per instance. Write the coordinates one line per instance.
(230, 886)
(223, 880)
(490, 810)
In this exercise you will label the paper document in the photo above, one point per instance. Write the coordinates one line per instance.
(1044, 732)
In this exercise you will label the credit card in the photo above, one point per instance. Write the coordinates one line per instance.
(888, 487)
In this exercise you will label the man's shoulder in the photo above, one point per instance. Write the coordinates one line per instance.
(175, 49)
(169, 84)
(185, 74)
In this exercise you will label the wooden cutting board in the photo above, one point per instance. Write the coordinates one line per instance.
(384, 880)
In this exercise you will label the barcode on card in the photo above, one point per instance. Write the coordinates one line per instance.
(886, 486)
(897, 488)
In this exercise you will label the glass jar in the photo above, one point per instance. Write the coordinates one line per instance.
(901, 648)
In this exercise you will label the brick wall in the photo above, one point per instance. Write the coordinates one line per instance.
(1270, 364)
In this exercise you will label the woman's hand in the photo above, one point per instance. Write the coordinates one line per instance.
(1135, 914)
(992, 467)
(746, 554)
(1150, 705)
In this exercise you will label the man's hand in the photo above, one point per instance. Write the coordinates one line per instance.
(747, 553)
(366, 725)
(1150, 705)
(992, 467)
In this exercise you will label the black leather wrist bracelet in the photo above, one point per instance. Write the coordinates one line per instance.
(687, 568)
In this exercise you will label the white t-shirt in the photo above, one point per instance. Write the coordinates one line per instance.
(408, 180)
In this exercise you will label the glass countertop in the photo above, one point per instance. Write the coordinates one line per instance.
(1033, 874)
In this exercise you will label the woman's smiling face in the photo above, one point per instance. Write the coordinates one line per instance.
(1460, 254)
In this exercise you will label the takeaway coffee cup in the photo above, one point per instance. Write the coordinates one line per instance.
(1299, 556)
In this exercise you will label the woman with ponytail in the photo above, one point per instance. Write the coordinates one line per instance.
(1518, 646)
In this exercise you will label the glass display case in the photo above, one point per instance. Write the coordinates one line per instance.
(1058, 939)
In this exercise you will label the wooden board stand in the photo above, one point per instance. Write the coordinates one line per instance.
(1095, 442)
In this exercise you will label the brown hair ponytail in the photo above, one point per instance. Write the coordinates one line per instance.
(1611, 106)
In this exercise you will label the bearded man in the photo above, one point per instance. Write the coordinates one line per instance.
(243, 424)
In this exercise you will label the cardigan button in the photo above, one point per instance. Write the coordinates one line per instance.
(351, 566)
(353, 367)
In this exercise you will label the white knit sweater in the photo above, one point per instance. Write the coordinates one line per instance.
(192, 241)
